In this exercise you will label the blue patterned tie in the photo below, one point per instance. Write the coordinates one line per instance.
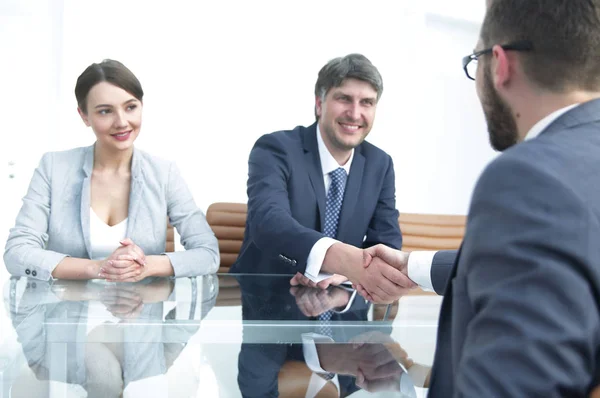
(335, 197)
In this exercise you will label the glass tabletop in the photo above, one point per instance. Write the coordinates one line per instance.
(221, 335)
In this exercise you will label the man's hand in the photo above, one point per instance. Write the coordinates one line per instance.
(302, 280)
(396, 258)
(314, 302)
(383, 257)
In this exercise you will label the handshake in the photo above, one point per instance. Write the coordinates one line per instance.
(378, 273)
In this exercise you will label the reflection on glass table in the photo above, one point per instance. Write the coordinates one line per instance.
(213, 336)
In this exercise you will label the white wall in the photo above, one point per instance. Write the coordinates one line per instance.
(217, 75)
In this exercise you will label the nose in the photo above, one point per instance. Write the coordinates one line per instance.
(120, 119)
(354, 112)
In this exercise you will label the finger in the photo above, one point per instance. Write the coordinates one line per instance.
(367, 258)
(397, 277)
(141, 257)
(112, 270)
(126, 242)
(121, 264)
(295, 281)
(391, 256)
(360, 379)
(335, 280)
(121, 301)
(125, 277)
(125, 257)
(303, 280)
(364, 293)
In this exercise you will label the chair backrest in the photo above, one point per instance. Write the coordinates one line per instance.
(431, 231)
(228, 221)
(170, 238)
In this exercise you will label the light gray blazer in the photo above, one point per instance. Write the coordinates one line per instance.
(54, 221)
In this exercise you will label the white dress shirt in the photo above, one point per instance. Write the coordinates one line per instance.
(419, 262)
(319, 249)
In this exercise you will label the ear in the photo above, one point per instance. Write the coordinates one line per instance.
(83, 116)
(502, 70)
(318, 105)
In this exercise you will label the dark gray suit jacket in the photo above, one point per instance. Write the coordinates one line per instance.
(521, 316)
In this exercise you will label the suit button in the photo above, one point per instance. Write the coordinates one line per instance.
(27, 271)
(34, 273)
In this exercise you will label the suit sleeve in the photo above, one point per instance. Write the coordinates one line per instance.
(441, 267)
(201, 255)
(26, 245)
(524, 275)
(384, 227)
(272, 227)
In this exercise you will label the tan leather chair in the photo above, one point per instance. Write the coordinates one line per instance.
(228, 221)
(595, 393)
(426, 232)
(170, 238)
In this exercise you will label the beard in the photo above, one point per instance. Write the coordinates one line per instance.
(502, 126)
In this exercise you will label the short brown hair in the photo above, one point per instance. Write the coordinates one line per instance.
(352, 66)
(110, 71)
(565, 35)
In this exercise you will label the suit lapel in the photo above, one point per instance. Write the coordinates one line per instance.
(135, 195)
(313, 165)
(84, 212)
(351, 193)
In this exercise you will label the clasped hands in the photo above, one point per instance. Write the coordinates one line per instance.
(378, 273)
(126, 264)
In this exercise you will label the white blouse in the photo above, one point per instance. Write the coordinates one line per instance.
(104, 239)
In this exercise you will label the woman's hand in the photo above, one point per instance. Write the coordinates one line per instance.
(126, 264)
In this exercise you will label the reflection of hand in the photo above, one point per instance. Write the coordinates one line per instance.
(392, 265)
(334, 280)
(373, 357)
(125, 264)
(313, 302)
(372, 361)
(123, 302)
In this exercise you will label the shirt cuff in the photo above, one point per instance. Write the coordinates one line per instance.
(350, 301)
(316, 258)
(309, 348)
(419, 268)
(407, 388)
(418, 374)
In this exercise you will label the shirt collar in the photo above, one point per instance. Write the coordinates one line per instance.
(328, 163)
(540, 126)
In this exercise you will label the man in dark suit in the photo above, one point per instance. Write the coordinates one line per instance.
(521, 316)
(317, 195)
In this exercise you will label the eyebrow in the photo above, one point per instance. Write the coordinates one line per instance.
(110, 106)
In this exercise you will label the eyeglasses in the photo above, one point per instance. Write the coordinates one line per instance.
(470, 61)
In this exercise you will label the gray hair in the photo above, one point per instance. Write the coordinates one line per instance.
(352, 66)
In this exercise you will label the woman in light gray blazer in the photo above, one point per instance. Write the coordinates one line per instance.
(101, 211)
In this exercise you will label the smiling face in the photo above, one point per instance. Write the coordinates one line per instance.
(114, 115)
(346, 114)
